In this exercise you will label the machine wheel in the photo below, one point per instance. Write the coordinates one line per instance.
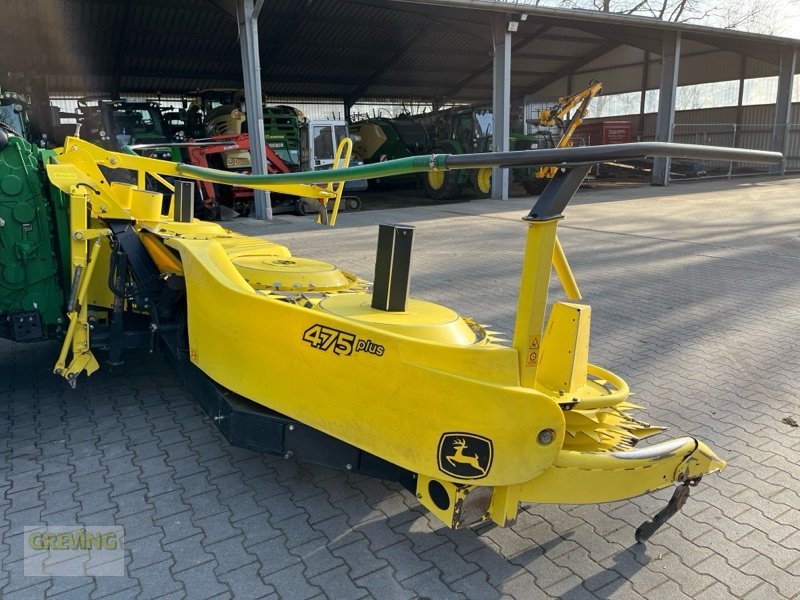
(306, 206)
(352, 202)
(300, 208)
(443, 185)
(481, 180)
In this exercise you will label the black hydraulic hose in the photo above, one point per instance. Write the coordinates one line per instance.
(118, 261)
(592, 154)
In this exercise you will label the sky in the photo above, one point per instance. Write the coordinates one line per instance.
(783, 15)
(790, 21)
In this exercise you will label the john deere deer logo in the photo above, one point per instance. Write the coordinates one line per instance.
(465, 455)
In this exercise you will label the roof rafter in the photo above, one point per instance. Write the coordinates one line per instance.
(525, 39)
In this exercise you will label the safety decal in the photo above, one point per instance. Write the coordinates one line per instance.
(533, 351)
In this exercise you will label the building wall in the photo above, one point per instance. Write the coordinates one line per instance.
(729, 126)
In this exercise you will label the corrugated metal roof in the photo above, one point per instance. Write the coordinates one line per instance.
(349, 48)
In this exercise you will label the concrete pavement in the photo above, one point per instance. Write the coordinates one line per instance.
(694, 291)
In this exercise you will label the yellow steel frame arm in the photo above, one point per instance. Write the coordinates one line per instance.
(83, 263)
(79, 161)
(342, 160)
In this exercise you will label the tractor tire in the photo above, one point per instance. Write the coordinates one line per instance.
(443, 185)
(481, 180)
(299, 210)
(302, 207)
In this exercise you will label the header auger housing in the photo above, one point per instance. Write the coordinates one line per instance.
(475, 426)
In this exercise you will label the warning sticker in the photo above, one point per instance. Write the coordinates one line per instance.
(533, 351)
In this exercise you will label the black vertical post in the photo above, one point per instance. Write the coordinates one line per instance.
(392, 267)
(184, 201)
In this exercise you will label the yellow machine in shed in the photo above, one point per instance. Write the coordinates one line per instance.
(472, 424)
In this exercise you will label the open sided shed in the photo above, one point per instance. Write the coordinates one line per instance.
(437, 50)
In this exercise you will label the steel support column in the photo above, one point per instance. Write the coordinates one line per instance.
(740, 97)
(501, 101)
(247, 15)
(670, 64)
(783, 107)
(643, 97)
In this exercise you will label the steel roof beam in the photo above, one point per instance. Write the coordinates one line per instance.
(396, 56)
(573, 66)
(486, 65)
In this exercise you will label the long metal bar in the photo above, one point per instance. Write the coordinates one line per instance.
(413, 164)
(591, 154)
(419, 164)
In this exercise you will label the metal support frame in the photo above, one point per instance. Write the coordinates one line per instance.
(501, 100)
(247, 14)
(559, 191)
(783, 107)
(540, 247)
(670, 64)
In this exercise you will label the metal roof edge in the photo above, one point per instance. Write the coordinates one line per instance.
(616, 19)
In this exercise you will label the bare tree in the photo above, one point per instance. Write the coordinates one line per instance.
(757, 16)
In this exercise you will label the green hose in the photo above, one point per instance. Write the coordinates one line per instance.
(399, 166)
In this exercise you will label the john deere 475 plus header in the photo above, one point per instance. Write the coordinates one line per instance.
(475, 426)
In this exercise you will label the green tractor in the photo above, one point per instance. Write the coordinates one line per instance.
(34, 241)
(14, 114)
(462, 130)
(379, 139)
(113, 124)
(457, 130)
(31, 120)
(299, 143)
(222, 112)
